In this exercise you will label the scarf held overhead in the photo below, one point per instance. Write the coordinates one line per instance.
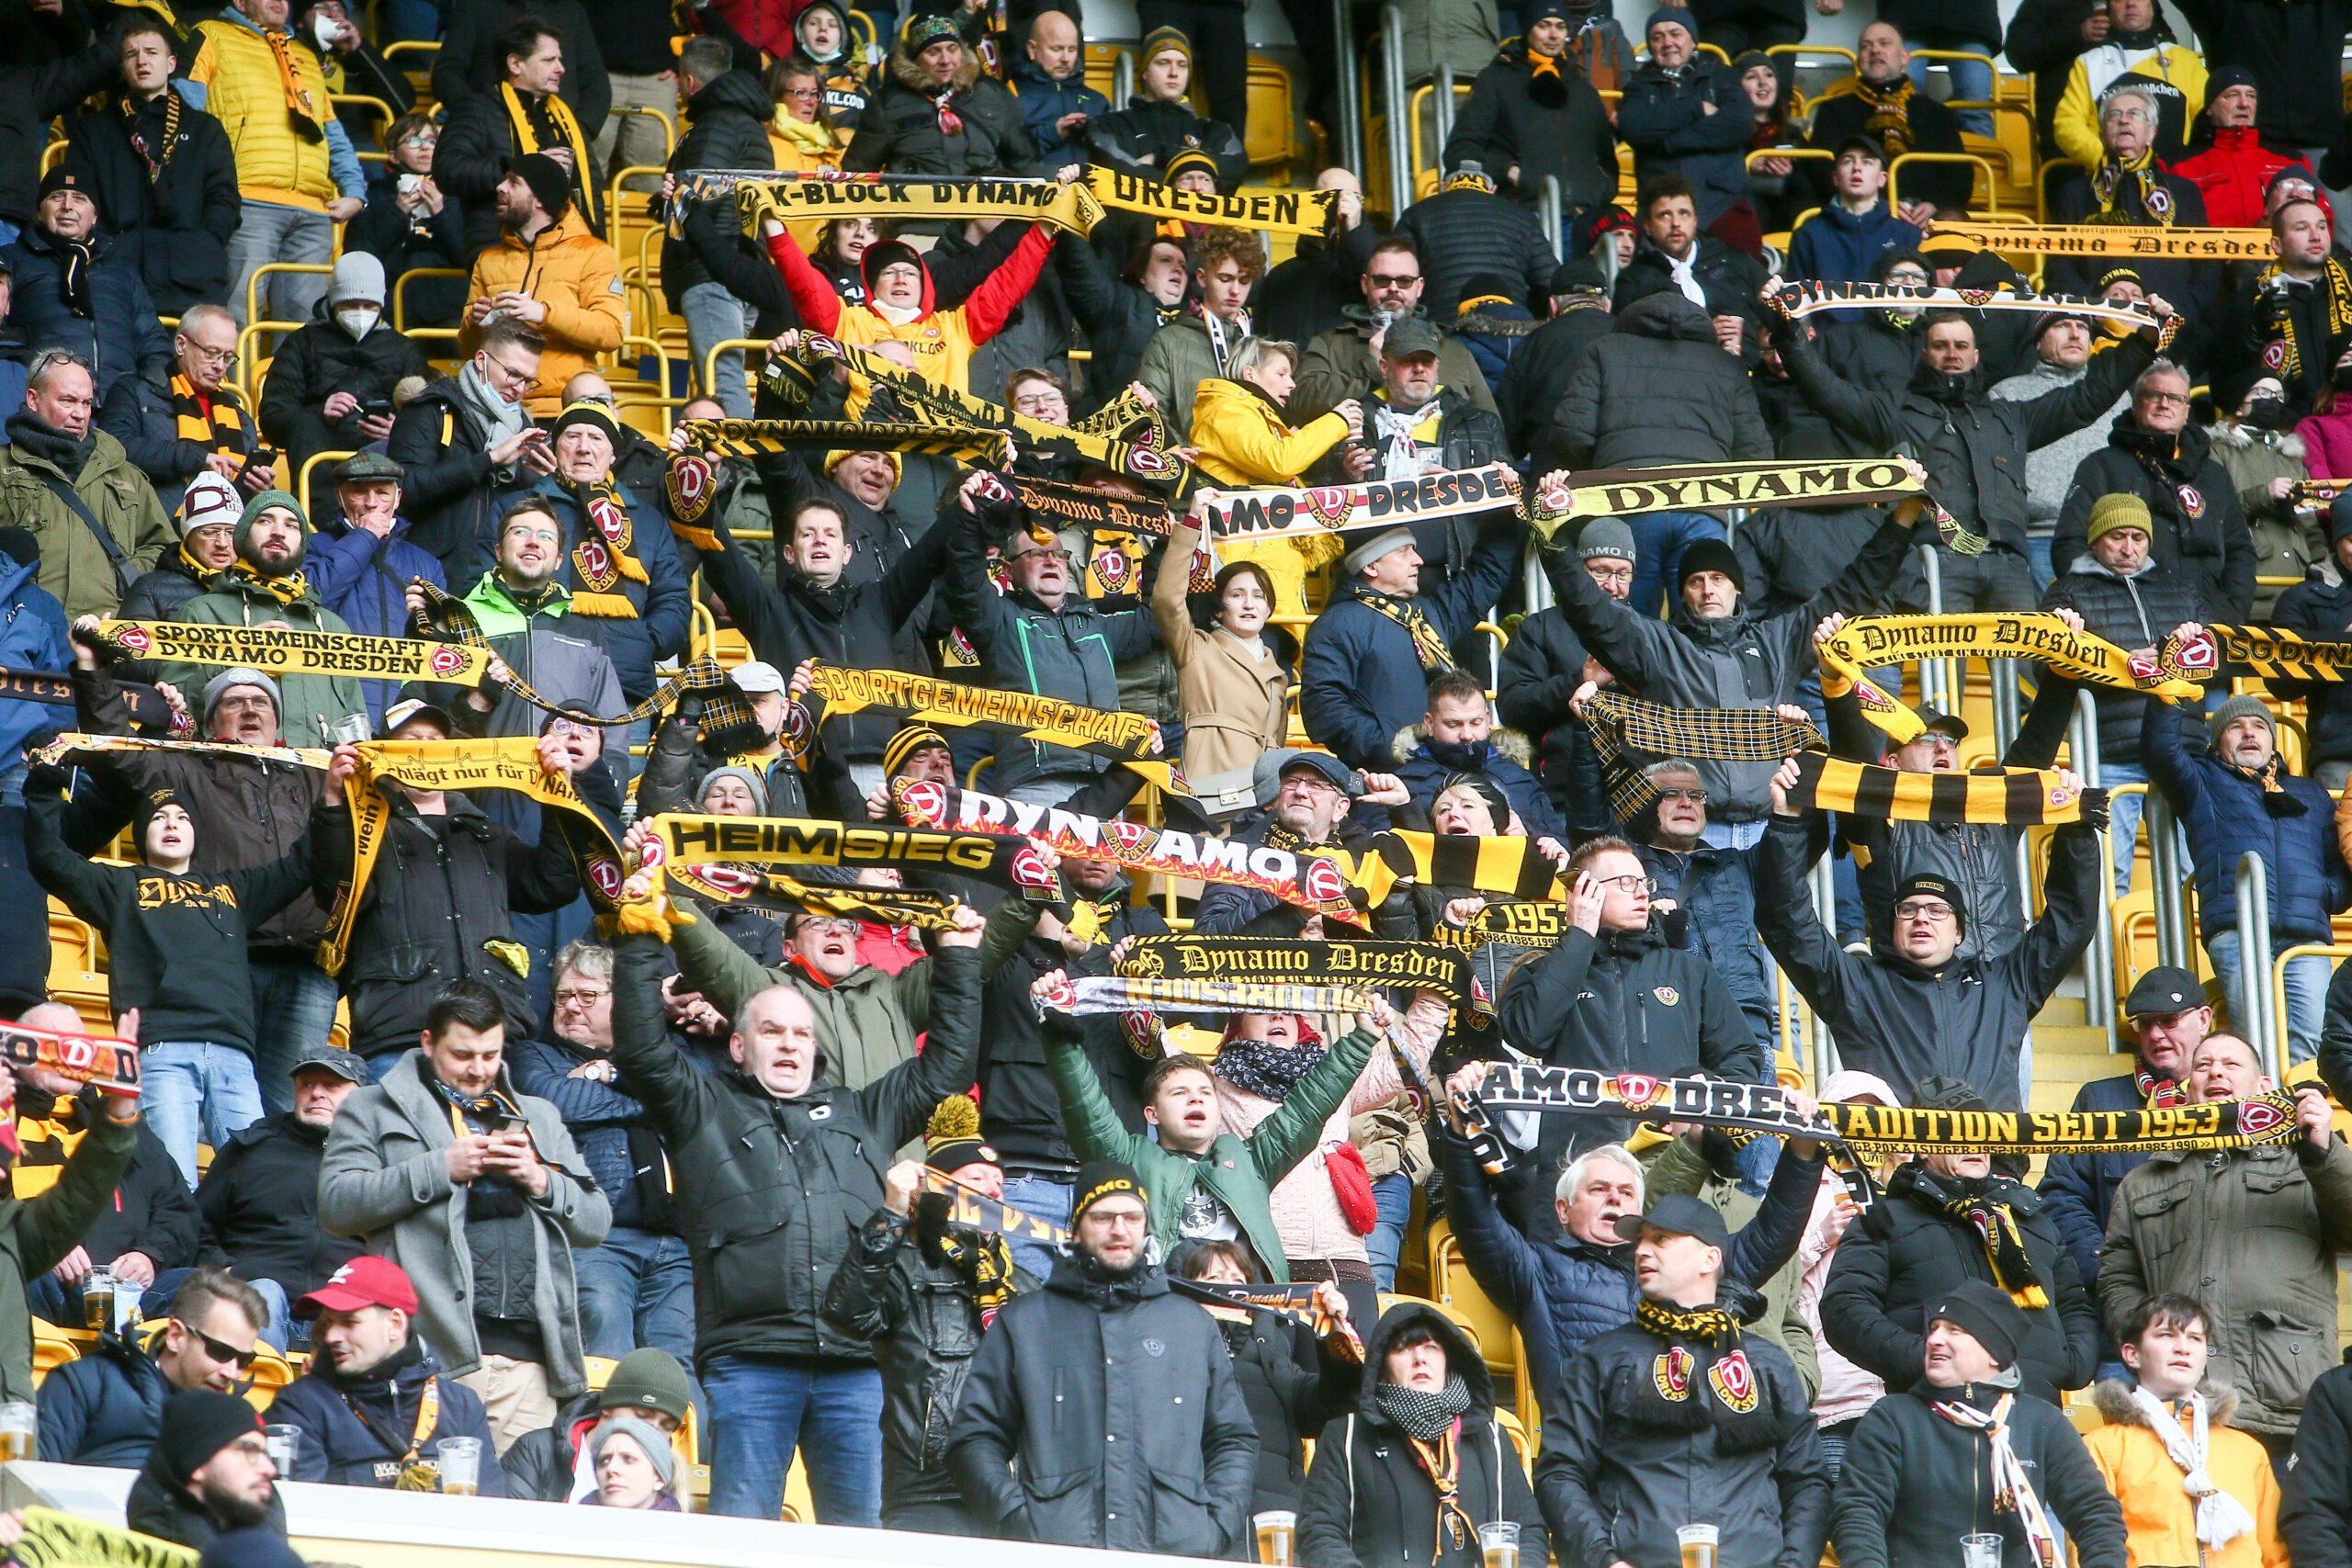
(1621, 726)
(1797, 299)
(831, 193)
(282, 650)
(695, 851)
(1868, 641)
(1095, 994)
(1250, 206)
(2017, 796)
(1126, 738)
(1247, 515)
(1423, 965)
(2118, 240)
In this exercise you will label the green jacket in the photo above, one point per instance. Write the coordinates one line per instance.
(1238, 1172)
(866, 1021)
(497, 614)
(36, 1233)
(74, 565)
(308, 705)
(1677, 1165)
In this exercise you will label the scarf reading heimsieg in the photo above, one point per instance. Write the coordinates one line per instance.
(707, 853)
(2017, 796)
(1424, 965)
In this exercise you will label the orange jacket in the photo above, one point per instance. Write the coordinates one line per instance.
(578, 278)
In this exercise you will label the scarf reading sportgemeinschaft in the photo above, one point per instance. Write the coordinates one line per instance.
(1975, 1201)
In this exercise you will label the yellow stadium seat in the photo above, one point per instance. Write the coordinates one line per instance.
(1464, 1301)
(52, 1348)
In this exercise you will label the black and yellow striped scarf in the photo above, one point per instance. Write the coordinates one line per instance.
(1428, 646)
(2283, 356)
(1890, 117)
(161, 158)
(222, 430)
(290, 588)
(567, 130)
(1511, 868)
(2110, 186)
(601, 556)
(2019, 797)
(1974, 1202)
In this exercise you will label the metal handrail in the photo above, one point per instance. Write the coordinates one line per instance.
(399, 289)
(1445, 91)
(253, 284)
(1991, 175)
(302, 480)
(1428, 93)
(1350, 148)
(2253, 885)
(1932, 568)
(2164, 870)
(1552, 217)
(2098, 993)
(2279, 995)
(1123, 78)
(668, 124)
(1397, 115)
(710, 360)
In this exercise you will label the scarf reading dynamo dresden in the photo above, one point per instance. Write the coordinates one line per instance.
(1868, 641)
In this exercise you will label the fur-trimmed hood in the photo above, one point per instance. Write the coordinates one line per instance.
(2113, 1399)
(2240, 436)
(1511, 743)
(908, 72)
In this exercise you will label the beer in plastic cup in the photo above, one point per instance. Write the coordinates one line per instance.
(460, 1462)
(1980, 1551)
(1277, 1538)
(19, 1424)
(98, 1300)
(1698, 1542)
(283, 1443)
(1499, 1542)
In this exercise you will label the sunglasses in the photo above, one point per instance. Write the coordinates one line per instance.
(243, 1360)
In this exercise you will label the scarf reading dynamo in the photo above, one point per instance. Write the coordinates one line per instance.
(1868, 641)
(1426, 966)
(1316, 883)
(1092, 995)
(1872, 1130)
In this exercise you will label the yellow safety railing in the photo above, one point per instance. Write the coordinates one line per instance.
(1974, 160)
(253, 285)
(710, 360)
(302, 482)
(614, 193)
(399, 293)
(246, 374)
(384, 111)
(2278, 1045)
(1414, 103)
(669, 127)
(660, 358)
(54, 155)
(1985, 60)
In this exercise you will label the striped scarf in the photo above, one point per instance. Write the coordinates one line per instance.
(1890, 117)
(1092, 995)
(1621, 724)
(2017, 797)
(2154, 200)
(1482, 862)
(2012, 1488)
(1433, 1427)
(308, 121)
(1428, 647)
(567, 134)
(155, 165)
(289, 588)
(213, 421)
(1973, 1200)
(2275, 322)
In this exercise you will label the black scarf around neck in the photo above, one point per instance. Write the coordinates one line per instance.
(45, 440)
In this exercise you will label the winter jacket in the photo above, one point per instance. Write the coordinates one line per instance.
(363, 578)
(577, 276)
(384, 1181)
(1661, 119)
(158, 594)
(1702, 1167)
(1043, 104)
(2049, 471)
(1173, 1471)
(176, 942)
(2253, 1236)
(315, 710)
(467, 65)
(1424, 765)
(47, 1211)
(1560, 129)
(1901, 1021)
(2159, 1515)
(243, 73)
(771, 1192)
(106, 1408)
(1540, 671)
(2287, 543)
(2200, 531)
(1339, 365)
(1460, 235)
(1740, 661)
(1539, 376)
(1178, 358)
(1871, 350)
(1141, 138)
(404, 241)
(1660, 390)
(2078, 1190)
(1714, 895)
(2285, 50)
(1370, 1501)
(1306, 295)
(2233, 170)
(2321, 611)
(601, 1118)
(1728, 277)
(1842, 113)
(1071, 653)
(2223, 815)
(442, 891)
(1361, 680)
(174, 224)
(2043, 38)
(1839, 246)
(139, 413)
(339, 1447)
(2135, 612)
(2315, 1501)
(2173, 75)
(32, 637)
(1791, 553)
(1973, 448)
(1244, 440)
(1616, 1482)
(895, 1291)
(1239, 1171)
(1915, 1482)
(726, 128)
(320, 360)
(150, 1210)
(259, 1200)
(36, 85)
(1235, 696)
(900, 129)
(1905, 1252)
(1119, 318)
(449, 488)
(1493, 332)
(941, 340)
(119, 334)
(2327, 441)
(550, 650)
(664, 604)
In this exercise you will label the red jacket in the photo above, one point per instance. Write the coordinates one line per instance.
(2233, 173)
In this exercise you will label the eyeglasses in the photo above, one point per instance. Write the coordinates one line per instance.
(512, 376)
(2166, 398)
(544, 536)
(221, 357)
(2117, 117)
(1921, 910)
(582, 997)
(1695, 796)
(421, 139)
(50, 358)
(818, 925)
(1061, 556)
(602, 399)
(1629, 883)
(804, 94)
(1035, 402)
(225, 1354)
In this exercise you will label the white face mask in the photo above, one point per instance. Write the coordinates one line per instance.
(358, 321)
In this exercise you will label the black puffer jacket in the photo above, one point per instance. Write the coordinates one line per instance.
(1541, 671)
(1728, 275)
(260, 1204)
(1623, 1470)
(1530, 391)
(1913, 1483)
(728, 128)
(1972, 448)
(467, 65)
(320, 360)
(158, 596)
(900, 129)
(2136, 611)
(119, 336)
(897, 1292)
(2200, 532)
(442, 892)
(1119, 318)
(1118, 1401)
(1293, 1384)
(2316, 1503)
(1661, 117)
(771, 1192)
(175, 225)
(1659, 389)
(449, 488)
(1141, 138)
(1905, 1252)
(477, 140)
(1560, 128)
(1465, 235)
(139, 413)
(105, 1408)
(1369, 1501)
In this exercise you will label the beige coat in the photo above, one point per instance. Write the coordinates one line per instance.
(1233, 695)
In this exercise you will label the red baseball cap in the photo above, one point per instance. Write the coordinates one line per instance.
(365, 1281)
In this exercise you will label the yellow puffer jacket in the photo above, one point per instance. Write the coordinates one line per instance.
(275, 162)
(1242, 442)
(2159, 1518)
(578, 278)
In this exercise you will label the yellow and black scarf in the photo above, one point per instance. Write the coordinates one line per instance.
(567, 130)
(2146, 185)
(2156, 1092)
(602, 556)
(160, 158)
(290, 589)
(308, 121)
(1734, 1403)
(1890, 117)
(1428, 647)
(1973, 1200)
(2283, 356)
(220, 430)
(1710, 1325)
(2017, 798)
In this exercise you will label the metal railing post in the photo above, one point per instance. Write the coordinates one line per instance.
(1123, 75)
(1351, 127)
(1550, 208)
(1539, 582)
(2003, 673)
(2098, 972)
(2253, 884)
(2163, 870)
(1932, 569)
(1822, 880)
(1392, 71)
(1444, 106)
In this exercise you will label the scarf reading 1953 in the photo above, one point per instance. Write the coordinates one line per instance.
(2012, 1488)
(2277, 323)
(1620, 723)
(1867, 641)
(2017, 797)
(1425, 966)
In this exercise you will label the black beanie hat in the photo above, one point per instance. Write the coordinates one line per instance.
(548, 180)
(1986, 1312)
(1099, 1178)
(1709, 554)
(197, 1424)
(1487, 790)
(153, 801)
(1934, 887)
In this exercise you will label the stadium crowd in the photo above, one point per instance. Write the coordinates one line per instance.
(550, 1180)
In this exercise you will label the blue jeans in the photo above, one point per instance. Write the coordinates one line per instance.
(10, 233)
(269, 232)
(2307, 981)
(280, 1327)
(713, 315)
(1658, 541)
(1392, 1197)
(2123, 813)
(293, 1010)
(1971, 80)
(1043, 1197)
(190, 1086)
(761, 1411)
(637, 1289)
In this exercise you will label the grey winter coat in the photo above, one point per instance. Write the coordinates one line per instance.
(385, 1181)
(2049, 471)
